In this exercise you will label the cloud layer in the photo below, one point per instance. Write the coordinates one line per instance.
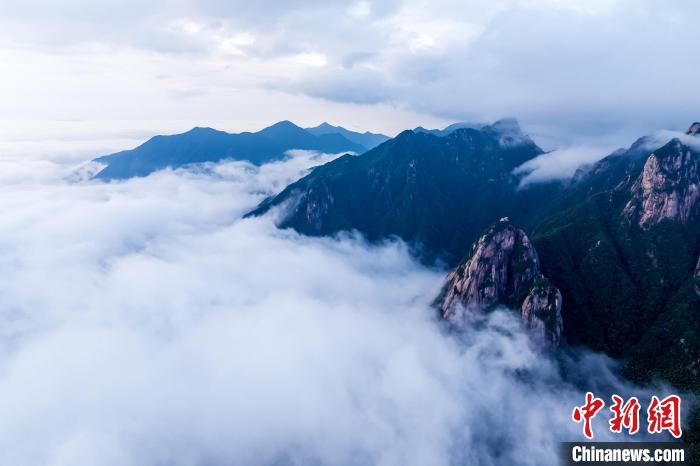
(577, 71)
(144, 323)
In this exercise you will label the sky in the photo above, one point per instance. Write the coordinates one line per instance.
(84, 77)
(144, 322)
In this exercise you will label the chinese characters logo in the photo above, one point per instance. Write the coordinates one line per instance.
(662, 415)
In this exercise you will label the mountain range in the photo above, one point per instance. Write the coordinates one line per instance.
(437, 193)
(367, 140)
(610, 260)
(209, 145)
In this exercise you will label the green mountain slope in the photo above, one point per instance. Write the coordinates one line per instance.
(438, 193)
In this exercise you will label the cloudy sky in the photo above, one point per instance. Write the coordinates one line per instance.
(593, 72)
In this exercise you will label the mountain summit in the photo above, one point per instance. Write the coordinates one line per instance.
(367, 140)
(436, 192)
(669, 186)
(209, 145)
(503, 268)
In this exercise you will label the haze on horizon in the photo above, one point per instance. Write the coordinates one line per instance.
(572, 71)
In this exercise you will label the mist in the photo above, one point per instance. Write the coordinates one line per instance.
(558, 164)
(145, 323)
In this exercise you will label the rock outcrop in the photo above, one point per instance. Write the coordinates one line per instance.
(541, 313)
(503, 269)
(694, 129)
(668, 187)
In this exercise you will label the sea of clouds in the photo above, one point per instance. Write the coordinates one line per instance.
(145, 323)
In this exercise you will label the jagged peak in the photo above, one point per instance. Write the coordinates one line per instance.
(410, 133)
(502, 246)
(284, 128)
(506, 126)
(694, 129)
(666, 190)
(420, 129)
(675, 146)
(203, 129)
(325, 126)
(284, 124)
(502, 224)
(503, 269)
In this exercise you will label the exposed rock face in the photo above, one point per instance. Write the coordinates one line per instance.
(694, 129)
(501, 265)
(668, 188)
(541, 313)
(697, 277)
(503, 268)
(319, 202)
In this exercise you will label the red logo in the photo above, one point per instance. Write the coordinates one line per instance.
(662, 415)
(587, 412)
(626, 415)
(665, 415)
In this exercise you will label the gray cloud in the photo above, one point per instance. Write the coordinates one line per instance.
(358, 86)
(596, 73)
(144, 323)
(573, 75)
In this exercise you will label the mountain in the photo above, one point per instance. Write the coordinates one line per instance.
(668, 188)
(209, 145)
(619, 244)
(503, 268)
(447, 130)
(624, 259)
(438, 193)
(367, 140)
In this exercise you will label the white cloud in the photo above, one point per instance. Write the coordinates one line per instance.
(144, 323)
(361, 9)
(312, 59)
(559, 164)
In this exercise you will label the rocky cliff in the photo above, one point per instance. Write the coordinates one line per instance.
(669, 186)
(541, 312)
(503, 268)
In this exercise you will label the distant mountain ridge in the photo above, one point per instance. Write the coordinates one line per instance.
(448, 129)
(209, 145)
(367, 139)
